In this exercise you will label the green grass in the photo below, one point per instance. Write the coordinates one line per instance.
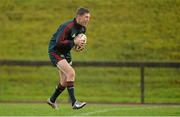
(118, 30)
(92, 84)
(89, 110)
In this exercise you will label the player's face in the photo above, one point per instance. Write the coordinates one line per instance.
(84, 19)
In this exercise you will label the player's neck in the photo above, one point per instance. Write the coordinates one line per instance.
(78, 21)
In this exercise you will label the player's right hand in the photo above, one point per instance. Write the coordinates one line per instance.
(78, 41)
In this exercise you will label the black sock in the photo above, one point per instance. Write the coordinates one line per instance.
(70, 88)
(59, 89)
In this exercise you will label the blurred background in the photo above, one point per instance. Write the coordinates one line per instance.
(119, 30)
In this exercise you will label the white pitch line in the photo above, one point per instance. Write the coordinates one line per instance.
(109, 110)
(100, 111)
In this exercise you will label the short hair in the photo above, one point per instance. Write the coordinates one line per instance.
(82, 11)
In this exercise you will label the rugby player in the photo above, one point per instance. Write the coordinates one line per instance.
(60, 45)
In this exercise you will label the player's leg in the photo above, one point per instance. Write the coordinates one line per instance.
(60, 87)
(70, 77)
(69, 72)
(54, 57)
(62, 79)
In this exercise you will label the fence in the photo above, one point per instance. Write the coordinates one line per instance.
(140, 64)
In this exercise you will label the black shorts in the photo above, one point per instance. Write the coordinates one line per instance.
(55, 57)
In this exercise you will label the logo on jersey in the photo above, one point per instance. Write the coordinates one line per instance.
(73, 35)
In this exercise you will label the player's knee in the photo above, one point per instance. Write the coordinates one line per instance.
(63, 83)
(62, 80)
(70, 75)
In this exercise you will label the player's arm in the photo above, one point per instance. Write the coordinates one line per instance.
(78, 41)
(62, 42)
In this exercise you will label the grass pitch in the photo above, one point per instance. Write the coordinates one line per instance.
(92, 84)
(89, 110)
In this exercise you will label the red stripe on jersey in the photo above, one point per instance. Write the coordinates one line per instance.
(56, 56)
(62, 37)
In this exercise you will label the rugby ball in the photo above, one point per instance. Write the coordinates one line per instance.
(83, 37)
